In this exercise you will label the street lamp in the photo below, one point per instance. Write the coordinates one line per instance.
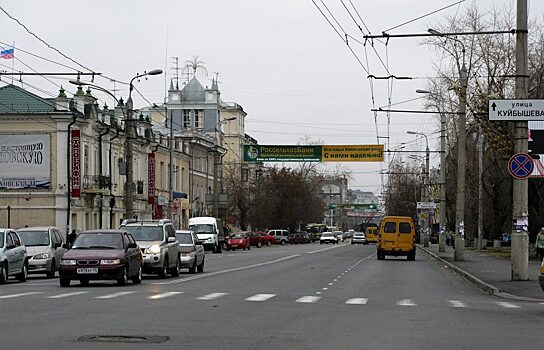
(425, 185)
(129, 191)
(441, 238)
(461, 155)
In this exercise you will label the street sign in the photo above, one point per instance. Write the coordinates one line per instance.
(426, 205)
(519, 109)
(520, 165)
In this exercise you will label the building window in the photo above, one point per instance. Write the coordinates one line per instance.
(186, 118)
(161, 175)
(198, 118)
(85, 160)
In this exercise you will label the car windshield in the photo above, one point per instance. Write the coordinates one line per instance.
(201, 228)
(238, 235)
(98, 241)
(326, 234)
(145, 233)
(184, 237)
(34, 238)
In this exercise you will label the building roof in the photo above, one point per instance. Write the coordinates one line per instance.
(193, 91)
(17, 100)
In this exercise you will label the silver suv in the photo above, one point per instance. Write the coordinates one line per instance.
(159, 245)
(280, 235)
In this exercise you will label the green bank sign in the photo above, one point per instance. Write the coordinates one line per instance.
(320, 153)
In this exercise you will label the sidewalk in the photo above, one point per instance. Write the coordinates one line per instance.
(491, 274)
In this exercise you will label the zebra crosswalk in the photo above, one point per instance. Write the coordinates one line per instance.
(256, 298)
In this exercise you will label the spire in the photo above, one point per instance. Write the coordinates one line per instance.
(214, 84)
(171, 85)
(62, 94)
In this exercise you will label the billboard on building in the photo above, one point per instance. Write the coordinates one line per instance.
(76, 163)
(25, 161)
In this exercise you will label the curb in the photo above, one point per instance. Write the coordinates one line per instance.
(484, 286)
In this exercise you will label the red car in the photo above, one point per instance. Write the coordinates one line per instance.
(267, 239)
(255, 239)
(239, 240)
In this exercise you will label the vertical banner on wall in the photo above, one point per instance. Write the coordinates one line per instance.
(76, 163)
(150, 178)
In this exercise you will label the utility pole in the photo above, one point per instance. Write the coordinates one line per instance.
(171, 170)
(426, 197)
(129, 190)
(215, 183)
(443, 228)
(480, 187)
(520, 239)
(461, 166)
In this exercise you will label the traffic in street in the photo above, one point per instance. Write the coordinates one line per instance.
(304, 296)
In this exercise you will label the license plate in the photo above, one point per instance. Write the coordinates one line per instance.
(84, 270)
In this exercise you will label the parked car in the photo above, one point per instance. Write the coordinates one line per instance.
(255, 239)
(328, 237)
(268, 240)
(102, 255)
(157, 239)
(359, 238)
(13, 258)
(192, 251)
(281, 236)
(238, 240)
(299, 237)
(44, 249)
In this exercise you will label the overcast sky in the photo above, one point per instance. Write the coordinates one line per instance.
(279, 59)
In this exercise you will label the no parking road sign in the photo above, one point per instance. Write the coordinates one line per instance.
(520, 165)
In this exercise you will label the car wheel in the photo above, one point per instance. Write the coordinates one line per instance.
(228, 248)
(64, 282)
(4, 274)
(200, 267)
(192, 269)
(268, 244)
(248, 247)
(51, 273)
(124, 279)
(164, 271)
(84, 282)
(259, 244)
(283, 242)
(24, 273)
(137, 278)
(175, 271)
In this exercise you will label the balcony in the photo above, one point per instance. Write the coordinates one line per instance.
(95, 184)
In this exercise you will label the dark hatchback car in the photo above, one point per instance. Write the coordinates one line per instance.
(102, 255)
(299, 237)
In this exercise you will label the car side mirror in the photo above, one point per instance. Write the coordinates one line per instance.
(171, 239)
(65, 246)
(10, 246)
(57, 245)
(132, 245)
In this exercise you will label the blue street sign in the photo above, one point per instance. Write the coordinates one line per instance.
(521, 165)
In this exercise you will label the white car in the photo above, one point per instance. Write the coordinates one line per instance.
(339, 235)
(358, 237)
(328, 237)
(192, 251)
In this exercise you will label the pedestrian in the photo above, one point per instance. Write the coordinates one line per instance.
(71, 238)
(540, 243)
(448, 239)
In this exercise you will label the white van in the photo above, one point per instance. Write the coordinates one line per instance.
(280, 235)
(209, 231)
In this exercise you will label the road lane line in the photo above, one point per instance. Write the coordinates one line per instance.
(406, 302)
(324, 249)
(163, 295)
(357, 301)
(228, 270)
(260, 297)
(307, 299)
(212, 296)
(507, 305)
(114, 295)
(457, 303)
(9, 296)
(66, 295)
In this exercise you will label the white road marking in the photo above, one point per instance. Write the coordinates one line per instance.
(406, 302)
(9, 296)
(507, 305)
(212, 296)
(317, 293)
(163, 295)
(228, 270)
(260, 297)
(66, 295)
(457, 303)
(357, 301)
(114, 295)
(307, 299)
(330, 284)
(324, 249)
(325, 288)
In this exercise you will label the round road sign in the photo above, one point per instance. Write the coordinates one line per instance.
(520, 165)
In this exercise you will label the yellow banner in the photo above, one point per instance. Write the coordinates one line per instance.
(352, 153)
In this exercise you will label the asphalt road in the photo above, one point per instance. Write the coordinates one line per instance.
(283, 297)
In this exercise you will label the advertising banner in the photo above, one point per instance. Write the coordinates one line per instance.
(320, 153)
(25, 161)
(76, 163)
(151, 178)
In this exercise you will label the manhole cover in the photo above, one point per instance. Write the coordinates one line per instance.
(123, 339)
